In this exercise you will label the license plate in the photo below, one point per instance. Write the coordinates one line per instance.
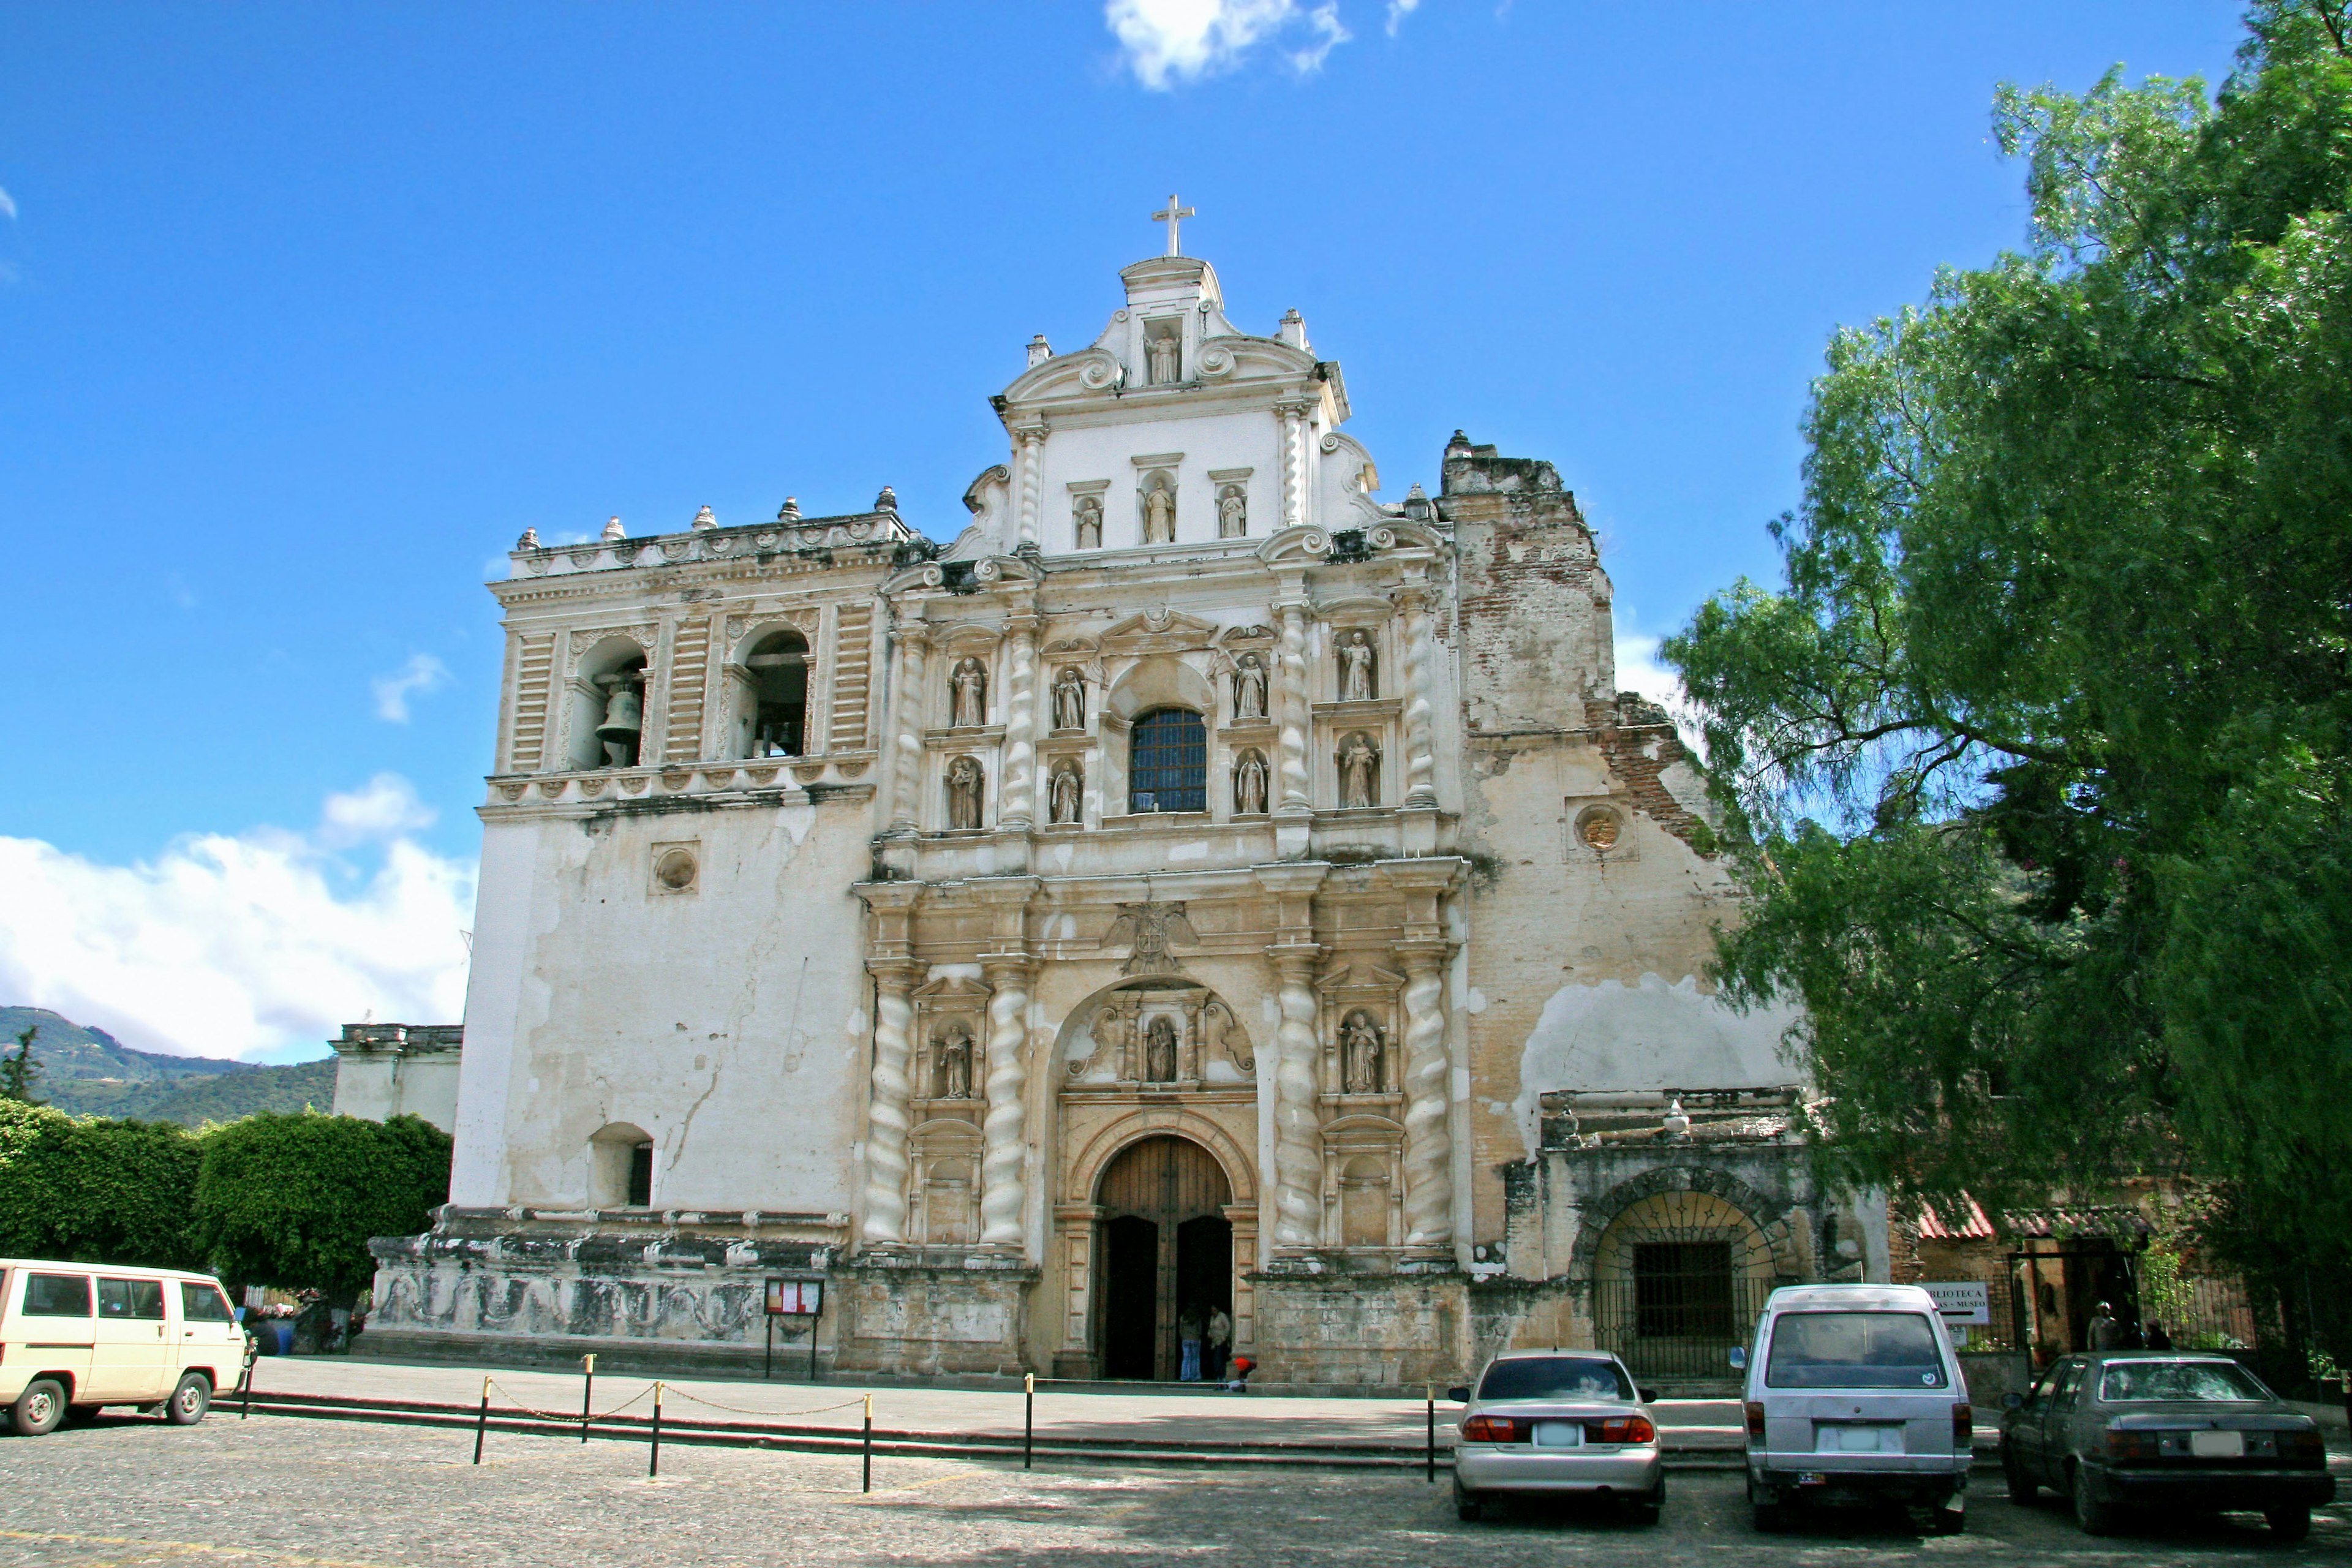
(2218, 1445)
(1559, 1434)
(1810, 1478)
(1854, 1440)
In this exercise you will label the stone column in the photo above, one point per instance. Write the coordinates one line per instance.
(1428, 1148)
(1291, 704)
(1297, 1119)
(1420, 743)
(1032, 478)
(1006, 965)
(885, 1115)
(906, 730)
(1017, 789)
(1293, 416)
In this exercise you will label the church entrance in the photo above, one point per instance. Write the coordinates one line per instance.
(1167, 1252)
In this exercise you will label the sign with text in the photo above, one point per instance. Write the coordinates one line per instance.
(795, 1297)
(1961, 1300)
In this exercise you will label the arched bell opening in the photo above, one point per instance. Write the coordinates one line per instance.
(770, 697)
(608, 706)
(1165, 1260)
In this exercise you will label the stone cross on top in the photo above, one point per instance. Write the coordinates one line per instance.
(1172, 215)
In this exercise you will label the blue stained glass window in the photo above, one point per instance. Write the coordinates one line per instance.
(1168, 767)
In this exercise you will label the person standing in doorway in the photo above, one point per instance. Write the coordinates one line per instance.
(1188, 1334)
(2107, 1332)
(1220, 1340)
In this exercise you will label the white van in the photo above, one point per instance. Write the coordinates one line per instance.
(1854, 1394)
(75, 1337)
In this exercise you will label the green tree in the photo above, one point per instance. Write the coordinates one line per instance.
(18, 1072)
(291, 1200)
(96, 1191)
(2036, 765)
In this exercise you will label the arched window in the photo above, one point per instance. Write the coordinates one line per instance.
(1169, 766)
(773, 706)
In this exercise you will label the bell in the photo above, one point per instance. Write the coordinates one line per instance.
(621, 717)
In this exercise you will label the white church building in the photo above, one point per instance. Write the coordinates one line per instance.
(1204, 889)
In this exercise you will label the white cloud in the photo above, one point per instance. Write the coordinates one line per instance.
(1638, 669)
(423, 673)
(8, 206)
(244, 945)
(1397, 11)
(1169, 42)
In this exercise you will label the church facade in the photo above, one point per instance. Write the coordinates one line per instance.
(1202, 891)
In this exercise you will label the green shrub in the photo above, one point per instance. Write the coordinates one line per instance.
(291, 1200)
(96, 1191)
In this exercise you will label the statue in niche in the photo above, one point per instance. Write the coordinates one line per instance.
(963, 793)
(1360, 772)
(955, 1063)
(1249, 783)
(1360, 1054)
(1160, 1051)
(623, 724)
(1249, 686)
(1232, 514)
(1064, 795)
(1087, 518)
(1069, 698)
(970, 684)
(1158, 511)
(1163, 351)
(1355, 668)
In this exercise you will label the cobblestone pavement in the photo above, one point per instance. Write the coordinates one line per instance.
(287, 1493)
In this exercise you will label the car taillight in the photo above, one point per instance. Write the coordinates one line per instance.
(1621, 1430)
(2304, 1448)
(1755, 1421)
(1497, 1429)
(2130, 1447)
(1964, 1426)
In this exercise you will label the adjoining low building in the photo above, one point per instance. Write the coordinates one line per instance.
(384, 1070)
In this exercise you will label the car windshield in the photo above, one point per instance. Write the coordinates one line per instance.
(1555, 1377)
(2213, 1382)
(1854, 1350)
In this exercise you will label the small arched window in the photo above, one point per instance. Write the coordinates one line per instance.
(775, 703)
(1169, 764)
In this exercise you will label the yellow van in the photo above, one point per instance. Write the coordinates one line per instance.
(75, 1337)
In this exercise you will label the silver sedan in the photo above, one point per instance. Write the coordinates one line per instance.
(1560, 1424)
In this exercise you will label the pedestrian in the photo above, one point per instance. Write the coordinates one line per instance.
(2107, 1333)
(1188, 1334)
(2158, 1340)
(1239, 1381)
(1221, 1339)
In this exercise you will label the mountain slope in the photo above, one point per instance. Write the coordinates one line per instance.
(88, 1072)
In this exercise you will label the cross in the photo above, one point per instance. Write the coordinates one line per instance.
(1171, 216)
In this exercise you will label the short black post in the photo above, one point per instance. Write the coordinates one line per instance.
(1429, 1389)
(653, 1463)
(587, 1388)
(768, 1367)
(252, 1352)
(482, 1422)
(812, 1357)
(866, 1483)
(1028, 1418)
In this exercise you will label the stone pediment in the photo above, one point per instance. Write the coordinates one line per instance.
(953, 987)
(1360, 979)
(1159, 631)
(1300, 546)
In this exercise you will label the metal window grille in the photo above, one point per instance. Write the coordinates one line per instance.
(1168, 768)
(1681, 1290)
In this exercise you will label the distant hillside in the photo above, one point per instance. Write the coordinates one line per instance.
(88, 1072)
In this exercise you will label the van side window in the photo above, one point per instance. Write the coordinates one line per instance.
(204, 1304)
(134, 1298)
(56, 1295)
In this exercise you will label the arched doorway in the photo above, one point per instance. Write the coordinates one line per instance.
(1166, 1251)
(1677, 1281)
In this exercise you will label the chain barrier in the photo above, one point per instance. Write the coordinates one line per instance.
(676, 1392)
(569, 1418)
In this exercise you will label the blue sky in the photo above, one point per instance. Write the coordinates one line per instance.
(307, 311)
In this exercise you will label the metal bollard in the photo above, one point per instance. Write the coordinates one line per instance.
(1028, 1417)
(866, 1483)
(653, 1463)
(482, 1422)
(587, 1388)
(1430, 1391)
(252, 1352)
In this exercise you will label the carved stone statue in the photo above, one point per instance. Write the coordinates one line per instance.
(1069, 698)
(1086, 514)
(1355, 668)
(1249, 783)
(1163, 361)
(1232, 514)
(1249, 686)
(1063, 796)
(1159, 513)
(970, 684)
(623, 724)
(1360, 1052)
(955, 1063)
(1360, 772)
(963, 793)
(1159, 1050)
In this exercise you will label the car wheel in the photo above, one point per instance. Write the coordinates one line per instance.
(189, 1401)
(1647, 1510)
(1468, 1507)
(2290, 1522)
(40, 1409)
(1767, 1513)
(2096, 1518)
(2022, 1488)
(1948, 1522)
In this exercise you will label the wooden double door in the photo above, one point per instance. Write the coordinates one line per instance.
(1167, 1254)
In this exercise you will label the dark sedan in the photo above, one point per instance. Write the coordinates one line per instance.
(2132, 1428)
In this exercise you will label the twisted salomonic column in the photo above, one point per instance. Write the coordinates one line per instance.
(1294, 462)
(1033, 463)
(907, 716)
(1428, 1149)
(1017, 797)
(1005, 1150)
(1290, 747)
(1420, 747)
(1298, 1129)
(885, 1117)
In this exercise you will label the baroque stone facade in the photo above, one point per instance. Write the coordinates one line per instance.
(1173, 900)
